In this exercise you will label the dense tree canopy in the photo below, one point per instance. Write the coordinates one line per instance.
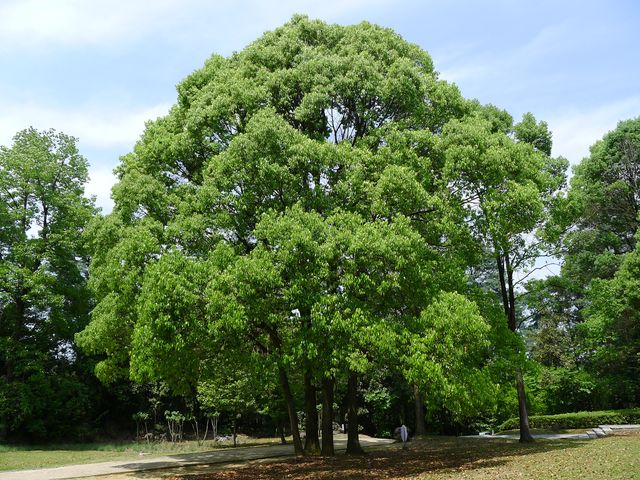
(295, 204)
(43, 294)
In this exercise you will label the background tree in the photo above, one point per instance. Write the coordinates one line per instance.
(578, 313)
(507, 185)
(44, 299)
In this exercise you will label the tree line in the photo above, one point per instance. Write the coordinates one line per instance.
(319, 231)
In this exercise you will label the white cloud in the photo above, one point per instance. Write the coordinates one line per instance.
(32, 23)
(28, 24)
(508, 69)
(575, 131)
(100, 182)
(97, 126)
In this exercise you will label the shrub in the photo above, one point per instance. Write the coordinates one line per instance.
(577, 420)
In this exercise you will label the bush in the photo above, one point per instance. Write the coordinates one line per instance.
(562, 390)
(577, 420)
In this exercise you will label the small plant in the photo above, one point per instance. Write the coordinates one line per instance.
(141, 419)
(175, 424)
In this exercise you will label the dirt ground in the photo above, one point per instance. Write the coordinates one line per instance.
(445, 458)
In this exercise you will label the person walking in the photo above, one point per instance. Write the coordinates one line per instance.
(404, 435)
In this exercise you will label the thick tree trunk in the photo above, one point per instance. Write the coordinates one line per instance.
(291, 411)
(327, 417)
(420, 425)
(311, 442)
(353, 440)
(525, 433)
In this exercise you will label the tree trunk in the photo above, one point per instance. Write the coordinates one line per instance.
(512, 299)
(312, 442)
(353, 441)
(509, 302)
(327, 417)
(206, 429)
(235, 429)
(420, 426)
(291, 410)
(503, 288)
(283, 439)
(525, 433)
(214, 426)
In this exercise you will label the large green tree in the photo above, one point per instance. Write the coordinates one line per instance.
(292, 210)
(44, 298)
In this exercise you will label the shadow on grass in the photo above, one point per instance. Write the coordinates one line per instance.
(438, 455)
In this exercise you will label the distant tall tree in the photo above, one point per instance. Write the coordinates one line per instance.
(43, 294)
(508, 184)
(603, 205)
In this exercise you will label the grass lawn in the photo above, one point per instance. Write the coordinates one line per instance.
(613, 457)
(21, 457)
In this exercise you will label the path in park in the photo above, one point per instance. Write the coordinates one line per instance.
(121, 469)
(596, 432)
(163, 466)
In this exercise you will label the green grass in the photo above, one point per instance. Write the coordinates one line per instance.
(24, 457)
(616, 457)
(613, 458)
(540, 431)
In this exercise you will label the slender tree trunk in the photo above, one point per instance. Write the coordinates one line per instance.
(312, 442)
(327, 417)
(503, 287)
(291, 410)
(206, 429)
(509, 302)
(420, 426)
(353, 441)
(283, 439)
(235, 429)
(512, 297)
(525, 433)
(196, 427)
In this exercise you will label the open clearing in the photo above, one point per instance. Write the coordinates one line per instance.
(436, 458)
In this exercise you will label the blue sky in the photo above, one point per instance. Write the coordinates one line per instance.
(98, 70)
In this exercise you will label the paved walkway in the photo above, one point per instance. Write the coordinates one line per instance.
(228, 455)
(597, 432)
